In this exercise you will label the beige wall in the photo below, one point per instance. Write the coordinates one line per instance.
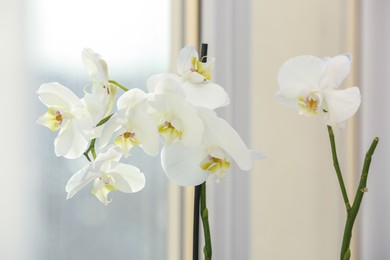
(297, 209)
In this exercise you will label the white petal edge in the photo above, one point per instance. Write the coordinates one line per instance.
(221, 134)
(95, 66)
(130, 98)
(182, 164)
(54, 94)
(71, 142)
(342, 104)
(184, 59)
(337, 70)
(79, 180)
(207, 94)
(300, 73)
(128, 178)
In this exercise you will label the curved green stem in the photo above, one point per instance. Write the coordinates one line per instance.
(118, 84)
(337, 168)
(207, 250)
(91, 147)
(352, 213)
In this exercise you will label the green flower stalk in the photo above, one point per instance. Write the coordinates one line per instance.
(352, 211)
(312, 85)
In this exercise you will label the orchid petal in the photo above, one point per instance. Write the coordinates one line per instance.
(71, 142)
(195, 77)
(182, 164)
(108, 129)
(128, 178)
(79, 180)
(224, 136)
(111, 153)
(145, 131)
(341, 104)
(192, 125)
(130, 98)
(207, 94)
(153, 81)
(300, 73)
(185, 58)
(95, 65)
(56, 95)
(93, 103)
(168, 85)
(337, 70)
(172, 109)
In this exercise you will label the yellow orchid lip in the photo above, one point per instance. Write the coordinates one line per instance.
(310, 104)
(215, 165)
(127, 137)
(169, 132)
(52, 119)
(126, 141)
(202, 68)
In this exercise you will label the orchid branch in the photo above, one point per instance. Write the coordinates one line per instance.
(118, 84)
(207, 250)
(352, 213)
(91, 147)
(337, 168)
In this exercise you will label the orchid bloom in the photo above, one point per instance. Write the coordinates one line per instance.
(312, 85)
(108, 175)
(191, 166)
(68, 114)
(191, 68)
(194, 76)
(101, 98)
(176, 120)
(131, 125)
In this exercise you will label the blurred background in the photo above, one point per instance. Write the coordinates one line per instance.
(288, 207)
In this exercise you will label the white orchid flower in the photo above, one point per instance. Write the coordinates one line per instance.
(312, 85)
(108, 175)
(191, 68)
(190, 166)
(194, 76)
(131, 125)
(176, 120)
(68, 114)
(101, 97)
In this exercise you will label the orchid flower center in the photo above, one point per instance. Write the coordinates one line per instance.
(203, 69)
(58, 117)
(169, 132)
(102, 186)
(215, 165)
(126, 141)
(53, 119)
(310, 104)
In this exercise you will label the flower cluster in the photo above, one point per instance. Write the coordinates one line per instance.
(175, 116)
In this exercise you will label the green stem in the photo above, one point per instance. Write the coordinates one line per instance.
(207, 250)
(91, 147)
(352, 213)
(118, 84)
(337, 168)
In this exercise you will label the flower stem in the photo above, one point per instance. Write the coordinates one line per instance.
(91, 147)
(195, 231)
(337, 168)
(352, 213)
(118, 84)
(200, 197)
(207, 250)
